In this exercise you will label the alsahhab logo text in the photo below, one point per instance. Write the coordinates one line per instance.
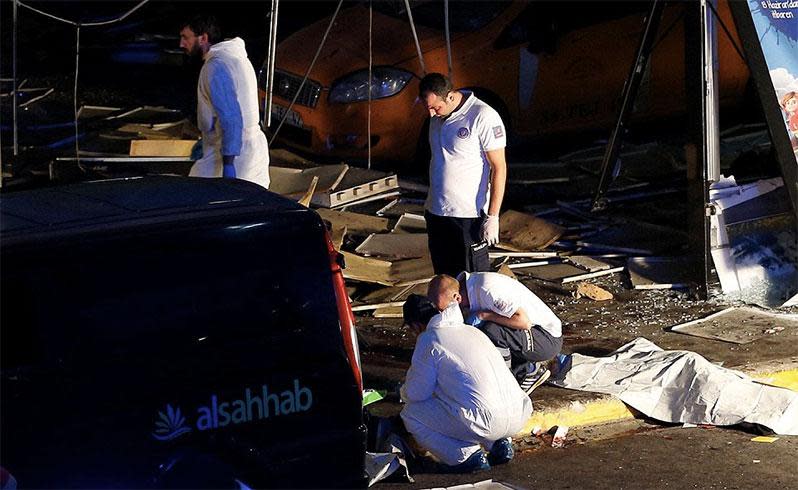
(217, 414)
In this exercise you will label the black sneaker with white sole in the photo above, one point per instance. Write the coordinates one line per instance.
(533, 379)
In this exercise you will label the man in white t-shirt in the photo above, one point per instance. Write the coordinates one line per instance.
(524, 330)
(467, 176)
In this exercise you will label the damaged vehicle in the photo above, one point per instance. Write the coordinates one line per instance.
(547, 71)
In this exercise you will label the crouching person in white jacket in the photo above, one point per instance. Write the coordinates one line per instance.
(460, 396)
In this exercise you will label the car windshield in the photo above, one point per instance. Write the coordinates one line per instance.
(464, 15)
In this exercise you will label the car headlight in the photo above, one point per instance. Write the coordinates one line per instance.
(385, 82)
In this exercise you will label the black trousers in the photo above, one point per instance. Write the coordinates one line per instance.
(522, 346)
(452, 242)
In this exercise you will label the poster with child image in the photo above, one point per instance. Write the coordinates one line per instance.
(776, 24)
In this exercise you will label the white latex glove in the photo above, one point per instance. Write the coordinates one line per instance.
(490, 230)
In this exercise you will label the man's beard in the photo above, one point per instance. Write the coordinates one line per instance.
(194, 55)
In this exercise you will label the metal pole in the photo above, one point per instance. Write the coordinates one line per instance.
(272, 47)
(14, 76)
(712, 162)
(698, 148)
(642, 56)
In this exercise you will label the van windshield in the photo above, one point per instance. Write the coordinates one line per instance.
(464, 15)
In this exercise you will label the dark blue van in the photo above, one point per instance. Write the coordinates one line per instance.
(174, 332)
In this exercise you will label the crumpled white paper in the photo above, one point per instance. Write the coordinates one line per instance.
(683, 387)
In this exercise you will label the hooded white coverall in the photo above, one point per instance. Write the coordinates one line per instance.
(458, 391)
(227, 115)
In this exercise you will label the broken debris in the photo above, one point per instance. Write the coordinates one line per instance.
(737, 325)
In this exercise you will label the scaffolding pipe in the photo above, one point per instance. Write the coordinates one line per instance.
(415, 38)
(14, 78)
(710, 61)
(270, 55)
(448, 37)
(371, 67)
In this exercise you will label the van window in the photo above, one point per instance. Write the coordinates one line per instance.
(250, 282)
(464, 15)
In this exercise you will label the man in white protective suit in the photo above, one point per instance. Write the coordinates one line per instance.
(233, 144)
(460, 396)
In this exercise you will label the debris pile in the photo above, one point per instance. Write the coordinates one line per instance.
(376, 221)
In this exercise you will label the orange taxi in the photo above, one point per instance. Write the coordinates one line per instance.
(547, 67)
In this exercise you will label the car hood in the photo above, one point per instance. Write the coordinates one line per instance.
(347, 45)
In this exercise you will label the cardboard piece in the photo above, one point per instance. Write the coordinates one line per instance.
(389, 312)
(505, 270)
(535, 263)
(554, 272)
(397, 273)
(357, 184)
(305, 200)
(565, 273)
(410, 223)
(358, 224)
(395, 245)
(161, 148)
(736, 325)
(658, 272)
(398, 207)
(588, 263)
(377, 306)
(293, 182)
(337, 235)
(592, 291)
(522, 232)
(528, 255)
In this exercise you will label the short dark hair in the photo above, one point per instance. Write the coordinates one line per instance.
(204, 24)
(435, 83)
(418, 309)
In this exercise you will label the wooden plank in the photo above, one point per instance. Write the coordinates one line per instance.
(398, 273)
(384, 295)
(528, 255)
(305, 200)
(410, 223)
(564, 273)
(337, 235)
(522, 232)
(524, 265)
(394, 245)
(161, 148)
(588, 263)
(359, 224)
(412, 271)
(398, 207)
(505, 270)
(389, 312)
(293, 182)
(377, 306)
(367, 269)
(554, 272)
(591, 275)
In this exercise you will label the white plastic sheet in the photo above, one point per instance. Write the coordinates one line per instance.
(683, 387)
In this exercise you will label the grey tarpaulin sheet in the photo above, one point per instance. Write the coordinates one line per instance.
(683, 387)
(380, 466)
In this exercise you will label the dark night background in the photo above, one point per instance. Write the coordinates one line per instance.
(149, 74)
